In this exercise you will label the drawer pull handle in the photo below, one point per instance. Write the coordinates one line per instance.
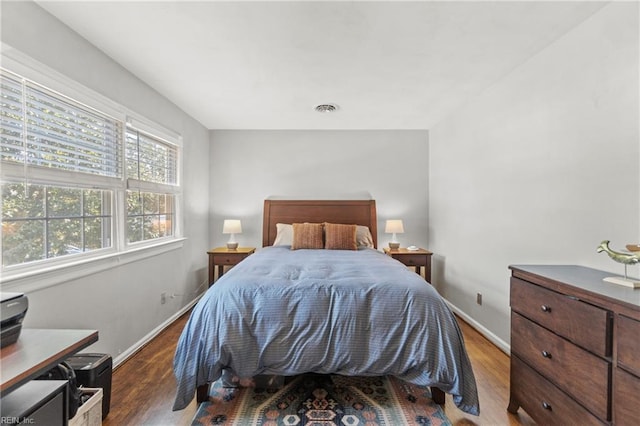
(546, 406)
(545, 308)
(546, 354)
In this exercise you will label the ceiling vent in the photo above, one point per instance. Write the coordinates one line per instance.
(326, 108)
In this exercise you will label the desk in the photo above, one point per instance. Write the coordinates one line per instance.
(37, 351)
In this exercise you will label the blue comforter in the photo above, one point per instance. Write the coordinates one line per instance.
(287, 312)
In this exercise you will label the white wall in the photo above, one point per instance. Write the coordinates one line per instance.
(122, 303)
(249, 166)
(540, 167)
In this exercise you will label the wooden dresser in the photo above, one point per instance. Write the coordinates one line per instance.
(575, 346)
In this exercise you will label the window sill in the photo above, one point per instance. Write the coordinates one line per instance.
(29, 281)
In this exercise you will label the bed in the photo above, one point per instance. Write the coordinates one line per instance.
(296, 307)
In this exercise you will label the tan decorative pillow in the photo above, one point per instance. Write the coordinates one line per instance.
(307, 236)
(340, 237)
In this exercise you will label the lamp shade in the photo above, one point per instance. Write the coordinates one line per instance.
(232, 226)
(394, 226)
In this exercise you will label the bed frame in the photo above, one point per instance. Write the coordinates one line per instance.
(353, 212)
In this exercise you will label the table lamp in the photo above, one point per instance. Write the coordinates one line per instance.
(232, 226)
(394, 226)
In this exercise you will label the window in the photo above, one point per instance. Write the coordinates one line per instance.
(149, 159)
(152, 186)
(152, 179)
(41, 222)
(76, 181)
(149, 215)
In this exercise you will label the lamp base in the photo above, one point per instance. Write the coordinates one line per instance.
(232, 246)
(394, 246)
(627, 282)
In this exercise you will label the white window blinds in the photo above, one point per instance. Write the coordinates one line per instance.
(47, 130)
(151, 162)
(12, 116)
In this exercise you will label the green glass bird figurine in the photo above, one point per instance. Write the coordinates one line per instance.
(626, 258)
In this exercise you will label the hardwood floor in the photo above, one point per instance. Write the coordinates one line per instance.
(491, 368)
(143, 387)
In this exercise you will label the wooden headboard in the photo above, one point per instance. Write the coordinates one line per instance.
(352, 212)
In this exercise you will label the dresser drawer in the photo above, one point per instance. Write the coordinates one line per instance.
(412, 259)
(628, 334)
(544, 401)
(228, 259)
(582, 375)
(627, 398)
(583, 324)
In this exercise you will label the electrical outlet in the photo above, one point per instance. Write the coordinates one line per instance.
(479, 298)
(163, 298)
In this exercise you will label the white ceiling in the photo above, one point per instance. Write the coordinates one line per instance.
(265, 65)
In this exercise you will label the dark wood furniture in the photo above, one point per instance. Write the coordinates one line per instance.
(419, 259)
(352, 212)
(222, 256)
(575, 347)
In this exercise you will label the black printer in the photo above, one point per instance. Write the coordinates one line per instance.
(13, 308)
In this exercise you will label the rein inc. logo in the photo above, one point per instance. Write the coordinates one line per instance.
(13, 420)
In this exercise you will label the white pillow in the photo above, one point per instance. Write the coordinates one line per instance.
(284, 234)
(363, 236)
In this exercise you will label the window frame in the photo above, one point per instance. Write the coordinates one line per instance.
(52, 271)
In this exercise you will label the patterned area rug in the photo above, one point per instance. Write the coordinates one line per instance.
(323, 400)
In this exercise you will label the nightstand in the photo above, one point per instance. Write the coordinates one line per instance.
(221, 256)
(416, 258)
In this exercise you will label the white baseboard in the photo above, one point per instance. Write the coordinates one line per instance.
(146, 339)
(501, 344)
